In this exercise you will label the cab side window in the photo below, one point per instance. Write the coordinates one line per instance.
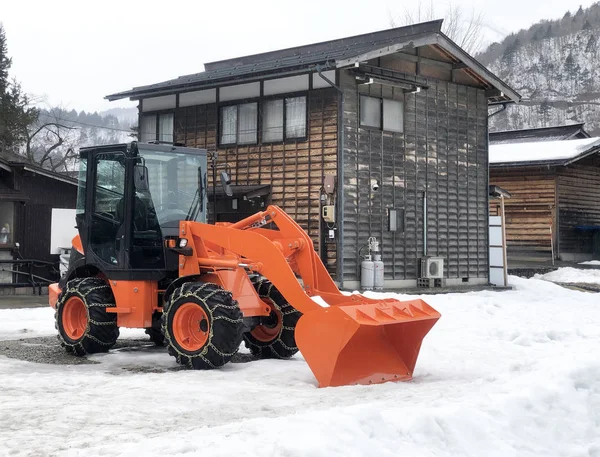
(108, 207)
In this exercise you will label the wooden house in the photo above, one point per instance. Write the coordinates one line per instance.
(554, 207)
(28, 193)
(390, 129)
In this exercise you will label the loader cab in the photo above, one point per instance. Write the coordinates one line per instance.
(131, 197)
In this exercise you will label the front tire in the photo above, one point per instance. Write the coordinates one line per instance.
(274, 339)
(202, 324)
(84, 326)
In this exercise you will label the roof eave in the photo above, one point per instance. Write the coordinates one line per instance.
(548, 163)
(139, 94)
(478, 68)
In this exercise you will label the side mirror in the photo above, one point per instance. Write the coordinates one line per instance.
(226, 183)
(140, 178)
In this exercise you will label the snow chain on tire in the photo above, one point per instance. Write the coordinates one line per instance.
(283, 345)
(101, 332)
(225, 325)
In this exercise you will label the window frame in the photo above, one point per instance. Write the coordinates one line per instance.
(237, 104)
(283, 97)
(382, 114)
(157, 115)
(259, 124)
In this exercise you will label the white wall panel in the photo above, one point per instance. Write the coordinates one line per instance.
(199, 97)
(496, 257)
(158, 103)
(239, 92)
(283, 85)
(319, 83)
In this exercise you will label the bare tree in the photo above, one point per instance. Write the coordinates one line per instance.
(52, 141)
(463, 27)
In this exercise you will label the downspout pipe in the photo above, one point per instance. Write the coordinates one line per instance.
(340, 173)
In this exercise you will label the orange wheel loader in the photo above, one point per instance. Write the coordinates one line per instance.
(146, 258)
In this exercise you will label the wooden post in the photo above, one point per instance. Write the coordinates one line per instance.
(504, 257)
(552, 244)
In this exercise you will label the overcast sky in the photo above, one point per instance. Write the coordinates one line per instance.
(74, 53)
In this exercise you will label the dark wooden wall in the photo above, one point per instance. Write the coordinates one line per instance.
(579, 204)
(531, 210)
(33, 218)
(443, 151)
(295, 169)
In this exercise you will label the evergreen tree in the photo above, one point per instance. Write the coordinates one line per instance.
(16, 114)
(591, 44)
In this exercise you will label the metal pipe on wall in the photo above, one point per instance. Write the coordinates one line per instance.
(425, 223)
(340, 176)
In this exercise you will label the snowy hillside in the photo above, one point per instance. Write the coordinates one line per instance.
(555, 66)
(503, 374)
(54, 140)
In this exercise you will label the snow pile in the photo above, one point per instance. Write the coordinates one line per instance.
(26, 323)
(569, 275)
(541, 150)
(590, 262)
(512, 373)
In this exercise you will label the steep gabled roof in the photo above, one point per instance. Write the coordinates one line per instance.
(556, 133)
(542, 152)
(325, 55)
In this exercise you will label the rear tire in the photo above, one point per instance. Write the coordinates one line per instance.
(84, 326)
(275, 340)
(202, 324)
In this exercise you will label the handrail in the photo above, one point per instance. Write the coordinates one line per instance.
(34, 281)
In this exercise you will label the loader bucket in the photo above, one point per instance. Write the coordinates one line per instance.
(364, 343)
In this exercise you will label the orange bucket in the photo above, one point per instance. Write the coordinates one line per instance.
(368, 342)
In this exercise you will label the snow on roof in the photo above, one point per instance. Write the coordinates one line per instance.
(542, 151)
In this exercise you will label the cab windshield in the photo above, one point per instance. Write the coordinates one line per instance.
(176, 185)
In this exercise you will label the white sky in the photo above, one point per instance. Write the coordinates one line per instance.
(75, 54)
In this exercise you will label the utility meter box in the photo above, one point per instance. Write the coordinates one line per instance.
(328, 213)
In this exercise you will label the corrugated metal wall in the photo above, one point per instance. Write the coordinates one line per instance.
(443, 151)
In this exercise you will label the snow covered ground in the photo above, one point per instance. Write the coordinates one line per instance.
(590, 262)
(513, 373)
(572, 275)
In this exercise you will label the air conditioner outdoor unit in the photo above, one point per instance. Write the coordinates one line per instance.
(432, 267)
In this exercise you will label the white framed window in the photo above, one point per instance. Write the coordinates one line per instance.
(295, 117)
(272, 120)
(370, 111)
(284, 118)
(393, 115)
(383, 114)
(239, 124)
(157, 127)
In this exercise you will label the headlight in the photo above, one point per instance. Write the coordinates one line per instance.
(182, 242)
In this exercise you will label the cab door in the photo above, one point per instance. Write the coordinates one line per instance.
(108, 209)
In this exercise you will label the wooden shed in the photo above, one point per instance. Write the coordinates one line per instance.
(390, 129)
(554, 209)
(28, 193)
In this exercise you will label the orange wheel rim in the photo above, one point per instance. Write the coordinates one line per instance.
(267, 333)
(191, 327)
(74, 318)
